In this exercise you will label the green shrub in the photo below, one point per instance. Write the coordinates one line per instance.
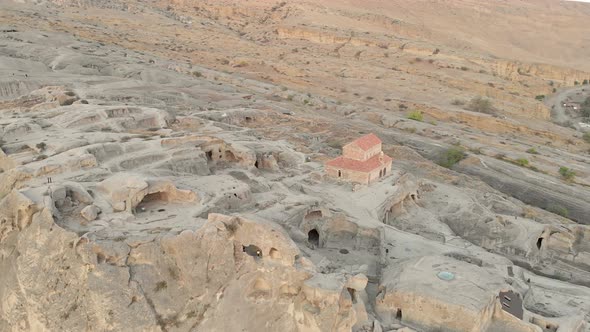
(567, 173)
(41, 146)
(586, 137)
(558, 209)
(160, 286)
(576, 83)
(522, 162)
(463, 68)
(451, 156)
(540, 97)
(481, 105)
(197, 74)
(585, 82)
(532, 151)
(416, 115)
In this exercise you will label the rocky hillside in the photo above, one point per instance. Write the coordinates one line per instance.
(161, 167)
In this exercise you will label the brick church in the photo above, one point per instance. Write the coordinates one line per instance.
(362, 161)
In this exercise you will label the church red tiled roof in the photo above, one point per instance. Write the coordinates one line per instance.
(366, 142)
(361, 166)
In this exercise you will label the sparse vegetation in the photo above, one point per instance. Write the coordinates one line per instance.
(436, 51)
(41, 146)
(481, 105)
(522, 162)
(566, 173)
(197, 74)
(457, 102)
(452, 156)
(402, 107)
(532, 151)
(160, 285)
(558, 209)
(586, 137)
(416, 115)
(576, 83)
(585, 82)
(463, 68)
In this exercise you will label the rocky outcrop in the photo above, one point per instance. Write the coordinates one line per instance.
(535, 188)
(90, 212)
(193, 280)
(440, 291)
(124, 191)
(513, 70)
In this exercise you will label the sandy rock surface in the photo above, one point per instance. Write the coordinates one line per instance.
(152, 180)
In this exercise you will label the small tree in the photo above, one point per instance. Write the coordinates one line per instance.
(481, 105)
(452, 156)
(416, 115)
(567, 173)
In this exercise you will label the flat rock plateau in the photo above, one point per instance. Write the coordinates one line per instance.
(162, 166)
